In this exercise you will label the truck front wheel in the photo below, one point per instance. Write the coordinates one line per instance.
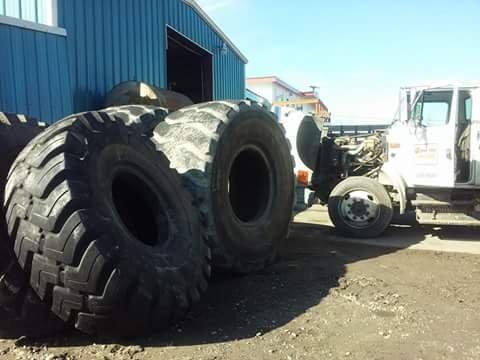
(360, 207)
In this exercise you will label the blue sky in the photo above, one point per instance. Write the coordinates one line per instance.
(359, 52)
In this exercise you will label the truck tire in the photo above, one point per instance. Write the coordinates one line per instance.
(140, 93)
(102, 226)
(309, 139)
(360, 207)
(21, 313)
(235, 160)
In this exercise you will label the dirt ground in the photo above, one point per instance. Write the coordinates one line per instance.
(324, 299)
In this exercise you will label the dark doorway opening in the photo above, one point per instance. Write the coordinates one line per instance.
(189, 68)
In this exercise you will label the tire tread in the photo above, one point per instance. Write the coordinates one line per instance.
(74, 275)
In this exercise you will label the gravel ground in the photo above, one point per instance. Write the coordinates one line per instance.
(322, 300)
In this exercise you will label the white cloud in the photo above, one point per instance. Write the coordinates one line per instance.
(211, 6)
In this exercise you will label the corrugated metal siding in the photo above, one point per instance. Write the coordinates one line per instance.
(34, 74)
(111, 41)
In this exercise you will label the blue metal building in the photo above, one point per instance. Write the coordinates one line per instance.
(58, 57)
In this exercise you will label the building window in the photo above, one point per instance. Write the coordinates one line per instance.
(42, 12)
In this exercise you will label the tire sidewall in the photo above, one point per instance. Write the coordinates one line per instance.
(262, 236)
(110, 153)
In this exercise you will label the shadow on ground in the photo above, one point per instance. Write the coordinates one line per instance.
(404, 232)
(309, 266)
(238, 308)
(408, 225)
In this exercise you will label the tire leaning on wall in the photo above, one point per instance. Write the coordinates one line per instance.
(111, 240)
(21, 311)
(235, 160)
(137, 92)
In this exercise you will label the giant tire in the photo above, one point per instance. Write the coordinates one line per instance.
(236, 161)
(21, 313)
(377, 194)
(105, 270)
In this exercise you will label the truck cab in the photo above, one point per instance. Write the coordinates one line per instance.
(434, 146)
(436, 152)
(427, 161)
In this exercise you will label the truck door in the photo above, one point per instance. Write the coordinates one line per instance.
(434, 115)
(474, 112)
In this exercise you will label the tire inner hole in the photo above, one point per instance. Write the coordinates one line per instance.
(140, 209)
(249, 185)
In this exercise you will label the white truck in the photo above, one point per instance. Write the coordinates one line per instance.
(428, 161)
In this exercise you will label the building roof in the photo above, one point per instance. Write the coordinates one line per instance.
(216, 28)
(276, 80)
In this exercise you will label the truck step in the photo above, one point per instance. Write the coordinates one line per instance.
(449, 222)
(449, 204)
(443, 217)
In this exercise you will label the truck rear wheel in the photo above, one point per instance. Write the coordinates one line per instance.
(102, 226)
(236, 161)
(360, 207)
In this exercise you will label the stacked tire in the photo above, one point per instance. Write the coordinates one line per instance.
(21, 311)
(115, 217)
(235, 160)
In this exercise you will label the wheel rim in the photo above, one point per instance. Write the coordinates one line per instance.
(359, 208)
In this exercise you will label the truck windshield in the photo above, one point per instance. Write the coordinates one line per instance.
(433, 108)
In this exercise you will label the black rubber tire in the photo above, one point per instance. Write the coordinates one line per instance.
(141, 93)
(309, 140)
(207, 143)
(373, 187)
(66, 199)
(143, 118)
(21, 313)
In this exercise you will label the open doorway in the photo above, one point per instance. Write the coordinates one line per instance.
(189, 68)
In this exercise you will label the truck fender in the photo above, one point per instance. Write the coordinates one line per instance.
(390, 176)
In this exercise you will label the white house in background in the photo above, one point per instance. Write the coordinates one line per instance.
(272, 88)
(280, 93)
